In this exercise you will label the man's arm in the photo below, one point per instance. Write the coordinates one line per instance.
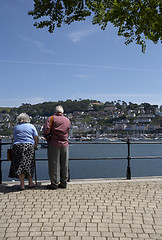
(46, 128)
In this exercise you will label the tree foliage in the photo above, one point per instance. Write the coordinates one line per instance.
(48, 108)
(84, 105)
(137, 20)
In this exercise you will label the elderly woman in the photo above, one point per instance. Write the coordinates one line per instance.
(25, 140)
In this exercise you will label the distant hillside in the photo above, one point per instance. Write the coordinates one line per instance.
(71, 106)
(4, 110)
(47, 108)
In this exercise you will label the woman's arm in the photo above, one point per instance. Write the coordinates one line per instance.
(36, 142)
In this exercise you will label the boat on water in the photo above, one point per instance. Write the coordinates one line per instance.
(44, 145)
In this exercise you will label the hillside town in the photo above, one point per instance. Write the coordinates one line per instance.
(101, 122)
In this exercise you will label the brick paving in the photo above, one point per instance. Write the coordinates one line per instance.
(87, 210)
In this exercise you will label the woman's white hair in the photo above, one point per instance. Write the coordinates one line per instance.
(59, 109)
(23, 118)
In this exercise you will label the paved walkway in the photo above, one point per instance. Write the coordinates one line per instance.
(86, 210)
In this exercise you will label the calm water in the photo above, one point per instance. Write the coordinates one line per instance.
(80, 169)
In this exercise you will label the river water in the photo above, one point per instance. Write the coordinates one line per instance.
(88, 169)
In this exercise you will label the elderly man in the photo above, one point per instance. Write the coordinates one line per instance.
(58, 148)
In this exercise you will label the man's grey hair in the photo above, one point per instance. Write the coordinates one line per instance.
(59, 109)
(23, 118)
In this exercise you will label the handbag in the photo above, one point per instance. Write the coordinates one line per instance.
(9, 154)
(49, 135)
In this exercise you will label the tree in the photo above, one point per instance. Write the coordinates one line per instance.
(137, 20)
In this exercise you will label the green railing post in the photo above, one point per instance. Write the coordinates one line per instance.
(128, 158)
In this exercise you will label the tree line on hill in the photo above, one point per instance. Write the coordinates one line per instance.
(70, 106)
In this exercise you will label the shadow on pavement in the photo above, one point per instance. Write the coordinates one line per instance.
(5, 188)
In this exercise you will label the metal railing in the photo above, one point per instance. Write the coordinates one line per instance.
(128, 157)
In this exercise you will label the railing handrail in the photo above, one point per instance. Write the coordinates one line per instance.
(128, 157)
(98, 142)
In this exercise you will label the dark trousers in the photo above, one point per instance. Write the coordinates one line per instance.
(58, 160)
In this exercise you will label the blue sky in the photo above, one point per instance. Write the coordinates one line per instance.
(76, 61)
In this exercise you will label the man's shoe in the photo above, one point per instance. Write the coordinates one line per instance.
(62, 186)
(51, 187)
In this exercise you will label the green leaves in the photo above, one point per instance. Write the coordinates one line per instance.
(137, 20)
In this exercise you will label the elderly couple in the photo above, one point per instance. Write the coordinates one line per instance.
(25, 141)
